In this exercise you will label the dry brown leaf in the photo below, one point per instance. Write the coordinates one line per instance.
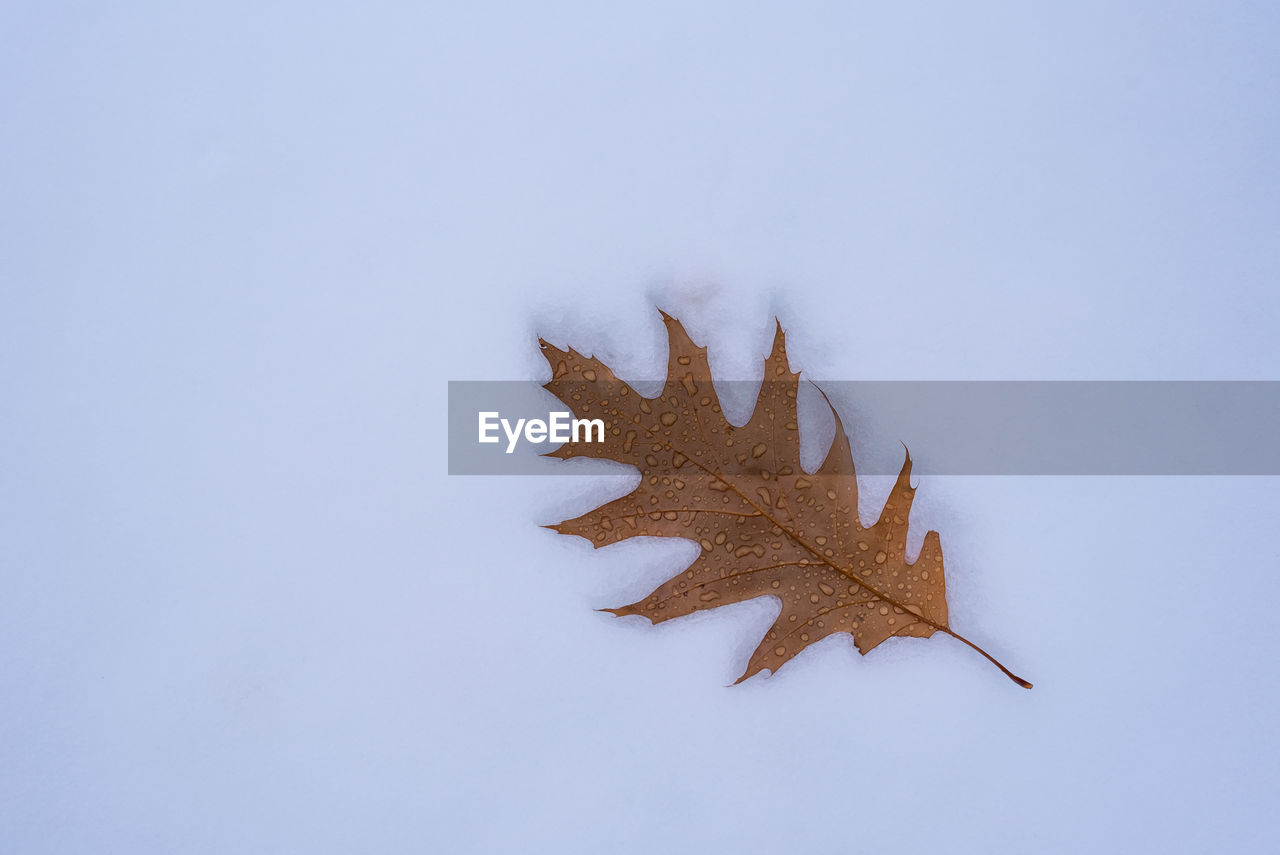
(766, 527)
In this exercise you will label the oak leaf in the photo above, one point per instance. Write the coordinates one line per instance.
(765, 526)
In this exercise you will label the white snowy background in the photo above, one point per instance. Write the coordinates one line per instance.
(242, 249)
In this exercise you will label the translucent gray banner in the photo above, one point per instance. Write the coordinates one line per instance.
(951, 428)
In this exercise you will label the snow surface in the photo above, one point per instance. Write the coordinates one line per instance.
(242, 249)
